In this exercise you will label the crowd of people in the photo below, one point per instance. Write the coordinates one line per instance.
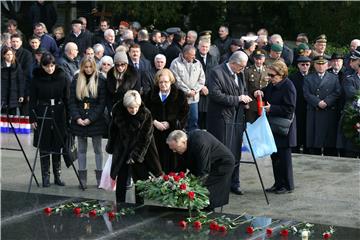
(135, 88)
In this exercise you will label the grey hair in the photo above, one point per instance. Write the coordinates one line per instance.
(108, 32)
(238, 56)
(143, 35)
(176, 135)
(128, 34)
(131, 98)
(98, 47)
(356, 41)
(106, 59)
(188, 48)
(276, 38)
(193, 33)
(69, 46)
(160, 56)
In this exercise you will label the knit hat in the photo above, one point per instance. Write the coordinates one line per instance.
(121, 57)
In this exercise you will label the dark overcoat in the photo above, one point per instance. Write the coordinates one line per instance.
(149, 50)
(321, 124)
(83, 41)
(206, 155)
(12, 84)
(225, 117)
(44, 87)
(130, 81)
(94, 110)
(282, 98)
(300, 110)
(131, 136)
(173, 110)
(172, 52)
(24, 59)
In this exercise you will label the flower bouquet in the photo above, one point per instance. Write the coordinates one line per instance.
(351, 121)
(180, 190)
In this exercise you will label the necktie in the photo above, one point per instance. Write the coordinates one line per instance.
(163, 97)
(136, 65)
(112, 48)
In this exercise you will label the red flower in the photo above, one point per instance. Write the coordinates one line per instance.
(222, 228)
(250, 230)
(92, 213)
(284, 232)
(326, 235)
(166, 178)
(77, 210)
(47, 210)
(214, 226)
(176, 178)
(197, 224)
(183, 186)
(111, 214)
(191, 195)
(269, 231)
(182, 224)
(171, 174)
(181, 174)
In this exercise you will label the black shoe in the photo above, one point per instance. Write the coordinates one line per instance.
(272, 189)
(283, 190)
(46, 181)
(58, 181)
(208, 209)
(237, 191)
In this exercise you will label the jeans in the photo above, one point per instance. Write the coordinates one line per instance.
(82, 149)
(192, 123)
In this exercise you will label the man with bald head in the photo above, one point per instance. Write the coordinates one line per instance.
(353, 45)
(69, 62)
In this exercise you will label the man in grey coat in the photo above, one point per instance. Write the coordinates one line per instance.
(227, 100)
(69, 62)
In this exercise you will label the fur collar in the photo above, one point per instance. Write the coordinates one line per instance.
(130, 78)
(39, 72)
(125, 121)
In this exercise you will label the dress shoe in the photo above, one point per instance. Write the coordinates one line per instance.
(208, 209)
(237, 191)
(272, 189)
(283, 190)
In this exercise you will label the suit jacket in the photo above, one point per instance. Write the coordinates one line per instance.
(149, 50)
(172, 52)
(108, 51)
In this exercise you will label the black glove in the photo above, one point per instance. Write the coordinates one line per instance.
(204, 178)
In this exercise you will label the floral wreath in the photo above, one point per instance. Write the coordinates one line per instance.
(351, 121)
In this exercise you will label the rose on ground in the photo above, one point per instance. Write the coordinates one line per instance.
(183, 186)
(197, 224)
(326, 235)
(176, 178)
(77, 210)
(250, 230)
(222, 228)
(172, 174)
(284, 232)
(166, 177)
(181, 174)
(47, 210)
(269, 231)
(214, 226)
(182, 224)
(191, 195)
(111, 214)
(92, 213)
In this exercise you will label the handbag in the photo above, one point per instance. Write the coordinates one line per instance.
(69, 150)
(106, 182)
(280, 125)
(260, 136)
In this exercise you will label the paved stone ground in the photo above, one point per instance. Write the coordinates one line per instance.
(327, 188)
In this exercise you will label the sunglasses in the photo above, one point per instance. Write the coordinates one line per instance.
(271, 75)
(120, 64)
(305, 64)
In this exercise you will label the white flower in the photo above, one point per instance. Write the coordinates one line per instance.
(304, 233)
(358, 102)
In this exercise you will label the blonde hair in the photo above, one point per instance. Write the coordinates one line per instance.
(279, 67)
(164, 72)
(84, 89)
(59, 29)
(131, 98)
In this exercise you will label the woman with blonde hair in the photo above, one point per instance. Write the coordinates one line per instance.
(59, 36)
(87, 104)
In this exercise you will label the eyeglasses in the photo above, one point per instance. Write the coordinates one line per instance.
(106, 64)
(120, 64)
(272, 75)
(305, 64)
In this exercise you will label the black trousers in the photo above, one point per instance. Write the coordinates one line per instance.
(282, 168)
(121, 183)
(327, 151)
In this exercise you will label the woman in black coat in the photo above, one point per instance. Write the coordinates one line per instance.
(12, 82)
(131, 142)
(87, 104)
(169, 108)
(280, 96)
(49, 92)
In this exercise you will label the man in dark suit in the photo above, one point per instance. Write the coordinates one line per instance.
(224, 40)
(287, 54)
(321, 91)
(227, 100)
(208, 62)
(303, 64)
(175, 48)
(82, 39)
(148, 49)
(109, 44)
(207, 158)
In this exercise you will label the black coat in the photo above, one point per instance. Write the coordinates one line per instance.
(225, 116)
(95, 112)
(45, 13)
(43, 88)
(223, 45)
(321, 124)
(173, 110)
(206, 155)
(12, 84)
(172, 52)
(83, 41)
(131, 136)
(288, 55)
(300, 110)
(131, 81)
(108, 51)
(24, 58)
(282, 98)
(149, 50)
(70, 66)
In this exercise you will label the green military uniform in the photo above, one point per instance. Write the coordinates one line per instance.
(255, 78)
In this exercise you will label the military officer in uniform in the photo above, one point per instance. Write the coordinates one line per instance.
(255, 78)
(320, 47)
(321, 91)
(274, 54)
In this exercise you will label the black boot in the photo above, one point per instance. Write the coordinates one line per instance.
(139, 200)
(83, 178)
(98, 174)
(45, 172)
(56, 161)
